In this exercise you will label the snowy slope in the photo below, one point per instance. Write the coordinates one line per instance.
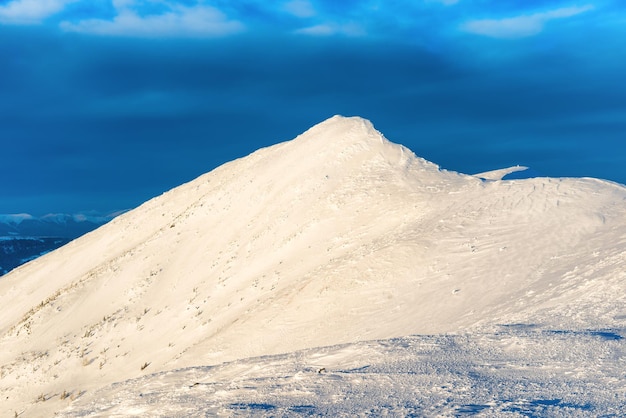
(335, 237)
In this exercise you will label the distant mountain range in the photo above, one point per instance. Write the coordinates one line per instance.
(24, 237)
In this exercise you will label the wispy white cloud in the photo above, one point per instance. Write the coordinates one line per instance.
(318, 30)
(445, 2)
(31, 11)
(300, 8)
(330, 29)
(123, 4)
(204, 18)
(520, 26)
(200, 20)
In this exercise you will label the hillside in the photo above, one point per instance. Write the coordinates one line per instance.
(336, 237)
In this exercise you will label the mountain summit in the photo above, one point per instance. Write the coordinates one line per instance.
(335, 237)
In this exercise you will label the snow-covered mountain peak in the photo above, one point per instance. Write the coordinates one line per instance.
(15, 219)
(335, 237)
(340, 152)
(338, 124)
(343, 129)
(342, 138)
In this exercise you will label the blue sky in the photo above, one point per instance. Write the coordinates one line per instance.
(107, 103)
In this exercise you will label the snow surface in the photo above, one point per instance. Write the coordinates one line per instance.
(411, 289)
(515, 371)
(500, 173)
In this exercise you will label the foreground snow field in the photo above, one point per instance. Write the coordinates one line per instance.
(518, 370)
(334, 274)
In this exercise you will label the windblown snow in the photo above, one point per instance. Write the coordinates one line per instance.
(334, 274)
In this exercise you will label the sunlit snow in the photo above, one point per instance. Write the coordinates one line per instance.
(335, 274)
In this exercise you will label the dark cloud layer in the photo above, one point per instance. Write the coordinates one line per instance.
(106, 123)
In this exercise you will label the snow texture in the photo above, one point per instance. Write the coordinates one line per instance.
(335, 274)
(501, 173)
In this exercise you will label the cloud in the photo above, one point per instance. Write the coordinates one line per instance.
(31, 11)
(444, 2)
(331, 29)
(300, 8)
(123, 4)
(196, 21)
(520, 26)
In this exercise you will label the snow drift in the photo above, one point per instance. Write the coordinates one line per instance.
(337, 236)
